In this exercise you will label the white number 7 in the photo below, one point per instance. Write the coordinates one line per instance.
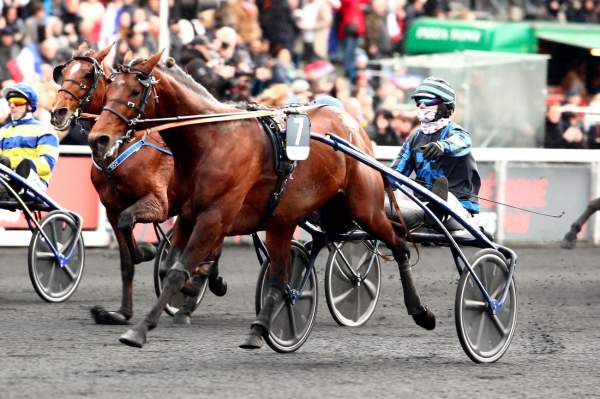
(300, 123)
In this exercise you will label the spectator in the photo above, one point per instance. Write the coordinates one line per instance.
(277, 23)
(244, 19)
(380, 130)
(351, 28)
(8, 51)
(315, 23)
(563, 130)
(378, 42)
(403, 124)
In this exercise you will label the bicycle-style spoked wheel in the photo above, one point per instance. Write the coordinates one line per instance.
(352, 282)
(53, 282)
(485, 337)
(291, 321)
(178, 299)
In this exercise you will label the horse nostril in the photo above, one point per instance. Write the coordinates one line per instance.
(99, 144)
(58, 114)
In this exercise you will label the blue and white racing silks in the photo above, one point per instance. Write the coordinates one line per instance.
(32, 139)
(457, 163)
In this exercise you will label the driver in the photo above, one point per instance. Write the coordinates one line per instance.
(439, 151)
(27, 146)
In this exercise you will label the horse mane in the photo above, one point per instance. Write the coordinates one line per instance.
(173, 70)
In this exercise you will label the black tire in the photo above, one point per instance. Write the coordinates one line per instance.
(352, 282)
(176, 302)
(485, 338)
(52, 282)
(291, 324)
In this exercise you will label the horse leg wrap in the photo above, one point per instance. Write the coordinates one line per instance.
(189, 304)
(272, 298)
(177, 275)
(216, 284)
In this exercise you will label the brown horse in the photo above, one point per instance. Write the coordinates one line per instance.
(226, 170)
(129, 196)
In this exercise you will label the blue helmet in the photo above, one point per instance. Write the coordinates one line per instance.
(22, 90)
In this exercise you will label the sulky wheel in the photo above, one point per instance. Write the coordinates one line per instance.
(352, 281)
(177, 300)
(485, 337)
(53, 280)
(291, 323)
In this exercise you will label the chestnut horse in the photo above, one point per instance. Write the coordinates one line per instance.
(129, 196)
(226, 167)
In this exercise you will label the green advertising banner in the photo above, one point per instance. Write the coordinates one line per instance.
(430, 35)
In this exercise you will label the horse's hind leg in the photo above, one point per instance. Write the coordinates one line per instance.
(149, 209)
(278, 245)
(216, 284)
(569, 239)
(376, 223)
(121, 316)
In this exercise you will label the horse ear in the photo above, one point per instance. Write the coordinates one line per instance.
(127, 57)
(82, 47)
(100, 55)
(147, 65)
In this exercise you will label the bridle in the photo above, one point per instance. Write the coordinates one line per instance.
(87, 97)
(147, 81)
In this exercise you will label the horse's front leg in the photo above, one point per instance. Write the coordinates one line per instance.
(121, 316)
(187, 256)
(278, 245)
(149, 209)
(569, 239)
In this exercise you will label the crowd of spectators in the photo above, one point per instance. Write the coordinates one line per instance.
(274, 52)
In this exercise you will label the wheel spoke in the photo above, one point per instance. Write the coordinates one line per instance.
(69, 272)
(357, 312)
(480, 330)
(498, 323)
(342, 273)
(306, 294)
(346, 262)
(44, 255)
(472, 304)
(293, 325)
(342, 297)
(51, 278)
(278, 308)
(371, 288)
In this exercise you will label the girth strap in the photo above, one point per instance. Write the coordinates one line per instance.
(283, 168)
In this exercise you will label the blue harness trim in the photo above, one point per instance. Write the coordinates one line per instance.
(129, 152)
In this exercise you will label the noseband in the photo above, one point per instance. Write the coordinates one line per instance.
(147, 81)
(87, 97)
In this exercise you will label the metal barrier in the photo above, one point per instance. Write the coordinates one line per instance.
(543, 180)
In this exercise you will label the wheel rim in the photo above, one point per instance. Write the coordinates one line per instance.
(291, 323)
(487, 337)
(53, 282)
(353, 281)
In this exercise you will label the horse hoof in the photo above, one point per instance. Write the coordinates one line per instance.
(425, 319)
(218, 286)
(252, 342)
(146, 251)
(102, 316)
(182, 318)
(566, 244)
(133, 338)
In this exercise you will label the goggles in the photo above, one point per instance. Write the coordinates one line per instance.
(18, 101)
(427, 101)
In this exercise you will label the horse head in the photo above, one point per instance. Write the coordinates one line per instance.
(127, 99)
(82, 81)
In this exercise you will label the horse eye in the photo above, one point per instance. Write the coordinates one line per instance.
(89, 75)
(135, 93)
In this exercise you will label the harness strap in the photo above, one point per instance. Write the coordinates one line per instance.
(129, 152)
(283, 168)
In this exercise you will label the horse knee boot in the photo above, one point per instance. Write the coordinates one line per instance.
(420, 314)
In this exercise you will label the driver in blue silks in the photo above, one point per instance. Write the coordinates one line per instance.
(439, 151)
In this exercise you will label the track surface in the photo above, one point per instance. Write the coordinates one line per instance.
(55, 350)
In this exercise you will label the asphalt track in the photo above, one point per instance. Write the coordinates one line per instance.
(55, 350)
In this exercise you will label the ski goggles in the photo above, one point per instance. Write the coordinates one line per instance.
(428, 102)
(18, 101)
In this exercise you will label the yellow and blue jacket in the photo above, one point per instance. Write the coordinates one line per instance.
(32, 139)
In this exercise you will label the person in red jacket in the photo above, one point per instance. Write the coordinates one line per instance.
(351, 27)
